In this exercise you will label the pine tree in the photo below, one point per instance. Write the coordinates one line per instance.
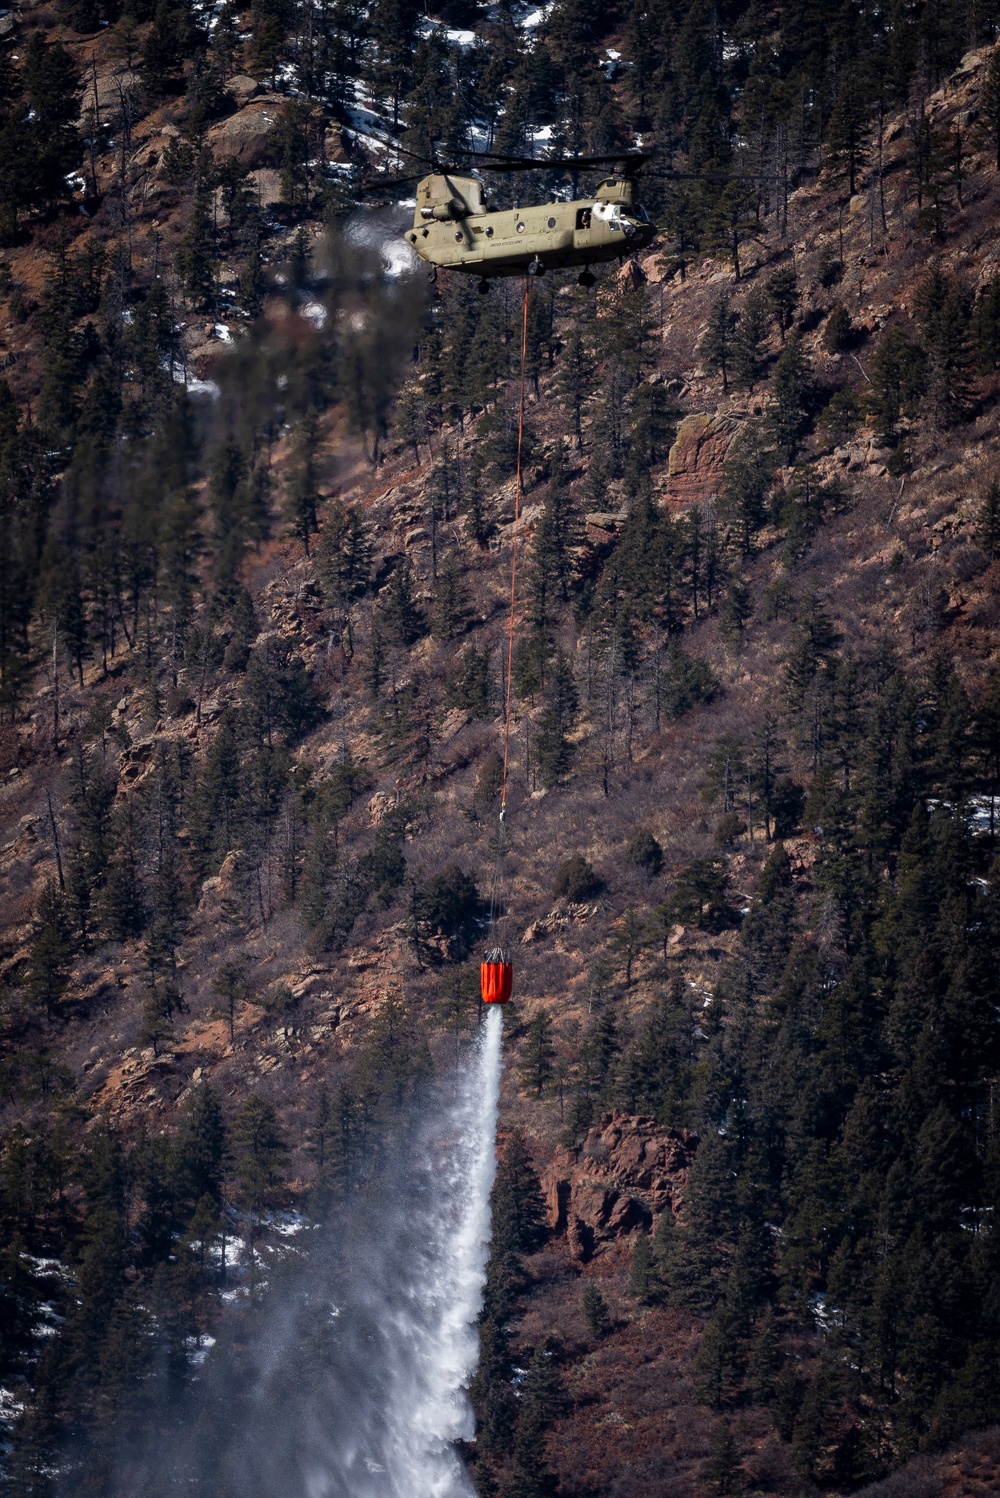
(399, 613)
(196, 257)
(558, 534)
(746, 478)
(990, 102)
(847, 133)
(538, 1053)
(766, 1360)
(574, 376)
(516, 1203)
(530, 1475)
(50, 141)
(791, 388)
(736, 611)
(201, 1150)
(749, 355)
(450, 615)
(722, 1470)
(303, 495)
(231, 988)
(595, 1311)
(51, 949)
(344, 561)
(898, 379)
(467, 684)
(553, 751)
(782, 288)
(944, 315)
(259, 1152)
(716, 346)
(640, 1269)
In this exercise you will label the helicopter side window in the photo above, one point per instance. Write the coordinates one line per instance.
(583, 218)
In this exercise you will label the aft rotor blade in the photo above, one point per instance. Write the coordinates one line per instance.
(714, 177)
(627, 159)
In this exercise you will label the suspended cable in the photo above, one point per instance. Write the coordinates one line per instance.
(496, 973)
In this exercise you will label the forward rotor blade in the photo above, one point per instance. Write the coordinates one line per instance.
(376, 184)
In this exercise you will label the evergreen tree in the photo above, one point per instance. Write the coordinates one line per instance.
(259, 1153)
(782, 288)
(516, 1204)
(990, 103)
(749, 355)
(399, 613)
(595, 1311)
(716, 346)
(746, 478)
(538, 1053)
(553, 750)
(790, 396)
(344, 562)
(196, 257)
(450, 615)
(51, 949)
(722, 1469)
(847, 133)
(303, 496)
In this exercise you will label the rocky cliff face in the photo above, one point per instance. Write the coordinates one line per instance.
(625, 1173)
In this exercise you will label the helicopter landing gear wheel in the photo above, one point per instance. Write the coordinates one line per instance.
(536, 268)
(586, 278)
(484, 286)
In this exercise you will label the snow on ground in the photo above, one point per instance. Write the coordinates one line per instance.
(193, 385)
(453, 37)
(982, 812)
(287, 1224)
(10, 1405)
(48, 1267)
(198, 1349)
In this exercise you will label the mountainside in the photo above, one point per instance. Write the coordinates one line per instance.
(257, 505)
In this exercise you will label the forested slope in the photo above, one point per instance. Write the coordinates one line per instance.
(257, 506)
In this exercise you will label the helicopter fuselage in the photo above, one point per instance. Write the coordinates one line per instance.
(516, 241)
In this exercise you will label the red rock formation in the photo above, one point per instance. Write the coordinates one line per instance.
(626, 1172)
(694, 466)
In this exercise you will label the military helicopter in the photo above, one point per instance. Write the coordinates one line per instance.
(453, 227)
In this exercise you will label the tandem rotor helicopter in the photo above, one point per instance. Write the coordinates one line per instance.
(453, 227)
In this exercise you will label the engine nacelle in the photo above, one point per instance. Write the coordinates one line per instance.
(442, 197)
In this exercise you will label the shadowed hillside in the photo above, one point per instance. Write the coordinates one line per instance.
(257, 505)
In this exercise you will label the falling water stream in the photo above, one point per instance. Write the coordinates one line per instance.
(350, 1381)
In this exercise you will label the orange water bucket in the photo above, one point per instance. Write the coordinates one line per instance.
(496, 981)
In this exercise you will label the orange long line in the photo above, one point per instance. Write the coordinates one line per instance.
(513, 550)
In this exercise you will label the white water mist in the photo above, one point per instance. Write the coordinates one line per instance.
(434, 1330)
(350, 1379)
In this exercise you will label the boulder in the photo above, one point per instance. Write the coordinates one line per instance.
(694, 465)
(627, 1171)
(243, 88)
(244, 135)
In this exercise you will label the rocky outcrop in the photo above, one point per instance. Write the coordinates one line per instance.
(627, 1171)
(246, 134)
(694, 466)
